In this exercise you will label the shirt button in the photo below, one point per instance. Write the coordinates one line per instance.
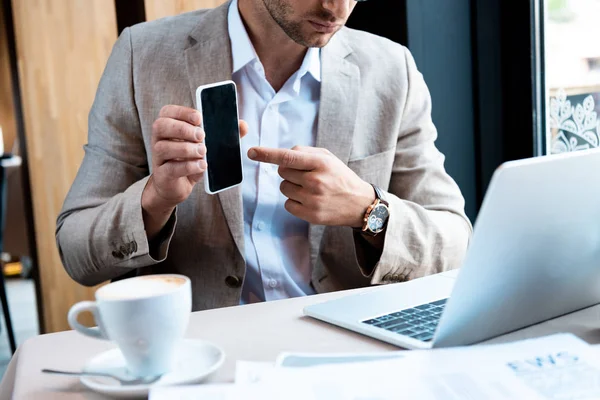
(260, 226)
(270, 170)
(272, 283)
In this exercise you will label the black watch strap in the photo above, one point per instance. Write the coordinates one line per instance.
(379, 195)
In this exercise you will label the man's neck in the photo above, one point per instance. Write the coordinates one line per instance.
(280, 56)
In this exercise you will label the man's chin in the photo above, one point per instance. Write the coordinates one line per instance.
(319, 40)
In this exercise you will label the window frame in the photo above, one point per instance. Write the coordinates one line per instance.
(541, 95)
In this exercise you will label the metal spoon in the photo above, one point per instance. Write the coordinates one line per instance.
(124, 382)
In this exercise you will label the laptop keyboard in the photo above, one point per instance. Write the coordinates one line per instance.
(418, 322)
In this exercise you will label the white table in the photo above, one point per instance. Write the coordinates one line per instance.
(256, 332)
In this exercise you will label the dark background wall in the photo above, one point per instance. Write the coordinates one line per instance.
(476, 58)
(438, 33)
(439, 37)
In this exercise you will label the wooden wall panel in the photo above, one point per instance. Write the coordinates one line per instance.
(7, 116)
(162, 8)
(62, 49)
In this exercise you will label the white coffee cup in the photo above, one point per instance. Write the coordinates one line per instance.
(146, 316)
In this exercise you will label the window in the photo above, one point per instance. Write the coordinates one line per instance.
(571, 29)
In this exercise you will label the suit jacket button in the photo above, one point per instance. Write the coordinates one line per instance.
(233, 281)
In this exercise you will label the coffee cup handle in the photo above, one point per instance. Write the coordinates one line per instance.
(84, 330)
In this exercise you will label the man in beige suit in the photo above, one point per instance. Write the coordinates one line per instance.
(338, 130)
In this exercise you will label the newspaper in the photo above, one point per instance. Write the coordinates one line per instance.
(554, 367)
(302, 360)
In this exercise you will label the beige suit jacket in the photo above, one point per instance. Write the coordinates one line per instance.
(375, 115)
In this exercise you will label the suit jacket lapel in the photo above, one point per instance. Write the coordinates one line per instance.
(340, 90)
(208, 60)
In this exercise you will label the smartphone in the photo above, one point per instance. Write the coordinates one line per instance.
(217, 103)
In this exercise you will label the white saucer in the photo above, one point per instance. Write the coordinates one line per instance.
(195, 361)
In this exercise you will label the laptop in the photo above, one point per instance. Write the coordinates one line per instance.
(534, 255)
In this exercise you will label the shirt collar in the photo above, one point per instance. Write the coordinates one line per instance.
(312, 63)
(242, 50)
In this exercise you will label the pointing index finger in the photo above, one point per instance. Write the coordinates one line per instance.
(286, 158)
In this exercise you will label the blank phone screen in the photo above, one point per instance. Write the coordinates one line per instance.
(219, 113)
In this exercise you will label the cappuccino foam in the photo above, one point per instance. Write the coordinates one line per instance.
(140, 287)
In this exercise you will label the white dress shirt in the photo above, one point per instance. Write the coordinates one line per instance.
(276, 243)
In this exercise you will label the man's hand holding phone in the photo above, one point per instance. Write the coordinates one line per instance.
(178, 163)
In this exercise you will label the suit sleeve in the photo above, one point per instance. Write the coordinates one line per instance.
(100, 231)
(428, 231)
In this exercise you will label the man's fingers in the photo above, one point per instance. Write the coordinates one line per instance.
(314, 150)
(304, 212)
(172, 129)
(195, 178)
(184, 114)
(243, 128)
(291, 191)
(179, 169)
(286, 158)
(293, 175)
(167, 150)
(295, 208)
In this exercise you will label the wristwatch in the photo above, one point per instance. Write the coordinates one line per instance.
(377, 215)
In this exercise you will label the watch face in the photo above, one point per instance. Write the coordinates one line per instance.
(378, 218)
